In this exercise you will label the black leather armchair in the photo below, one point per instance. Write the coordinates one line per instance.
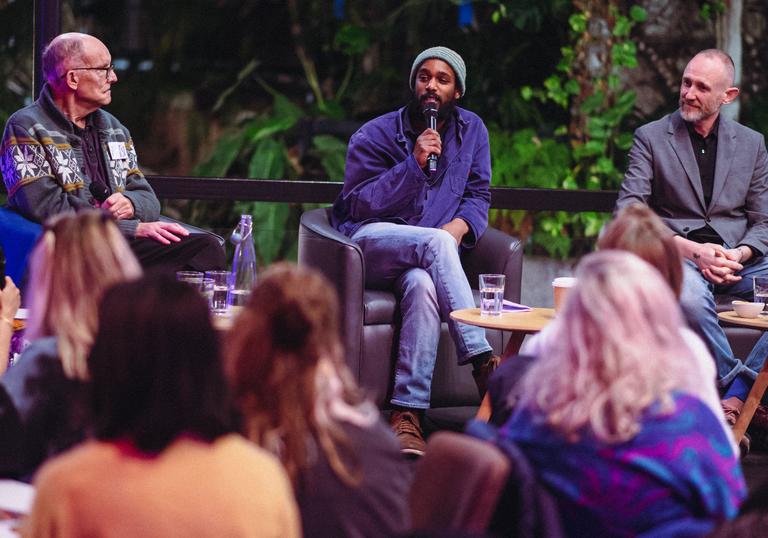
(369, 317)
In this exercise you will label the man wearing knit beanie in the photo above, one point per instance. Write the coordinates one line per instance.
(411, 222)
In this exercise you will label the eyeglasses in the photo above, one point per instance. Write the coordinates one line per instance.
(107, 70)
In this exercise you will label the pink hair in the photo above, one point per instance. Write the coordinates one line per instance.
(614, 349)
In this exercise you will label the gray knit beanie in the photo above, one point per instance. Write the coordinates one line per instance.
(450, 57)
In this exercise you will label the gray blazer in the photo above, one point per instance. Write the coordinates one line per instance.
(663, 174)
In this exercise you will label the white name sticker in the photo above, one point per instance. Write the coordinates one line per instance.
(117, 150)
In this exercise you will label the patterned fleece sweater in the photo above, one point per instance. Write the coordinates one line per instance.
(43, 164)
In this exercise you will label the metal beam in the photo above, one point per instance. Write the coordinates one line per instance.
(325, 192)
(47, 25)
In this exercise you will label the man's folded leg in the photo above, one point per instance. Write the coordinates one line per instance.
(195, 252)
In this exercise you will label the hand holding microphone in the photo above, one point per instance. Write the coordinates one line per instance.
(430, 114)
(117, 204)
(428, 145)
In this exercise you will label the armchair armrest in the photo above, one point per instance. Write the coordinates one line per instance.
(18, 236)
(496, 252)
(341, 262)
(193, 229)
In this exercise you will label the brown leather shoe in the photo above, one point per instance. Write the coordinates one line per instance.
(482, 373)
(407, 428)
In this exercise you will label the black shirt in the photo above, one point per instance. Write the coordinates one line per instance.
(93, 153)
(705, 150)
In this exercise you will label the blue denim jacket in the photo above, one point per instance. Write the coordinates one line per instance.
(383, 181)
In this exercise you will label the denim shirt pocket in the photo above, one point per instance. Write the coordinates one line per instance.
(457, 174)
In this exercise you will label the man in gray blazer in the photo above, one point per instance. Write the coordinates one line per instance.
(707, 177)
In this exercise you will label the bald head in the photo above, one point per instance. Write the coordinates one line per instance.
(725, 60)
(64, 52)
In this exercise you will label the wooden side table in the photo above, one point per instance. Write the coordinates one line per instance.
(518, 323)
(761, 383)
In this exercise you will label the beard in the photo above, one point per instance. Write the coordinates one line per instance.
(416, 108)
(693, 115)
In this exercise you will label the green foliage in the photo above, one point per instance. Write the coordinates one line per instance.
(332, 153)
(260, 148)
(711, 8)
(590, 156)
(352, 40)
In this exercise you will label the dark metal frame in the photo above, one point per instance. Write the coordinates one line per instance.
(47, 25)
(325, 192)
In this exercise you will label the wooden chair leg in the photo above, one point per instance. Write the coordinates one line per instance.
(753, 400)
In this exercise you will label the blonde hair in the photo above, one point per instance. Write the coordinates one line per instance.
(283, 359)
(615, 349)
(637, 229)
(75, 260)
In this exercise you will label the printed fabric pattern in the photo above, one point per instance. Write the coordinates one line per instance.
(679, 476)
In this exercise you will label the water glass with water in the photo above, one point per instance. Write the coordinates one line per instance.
(221, 284)
(761, 289)
(491, 294)
(193, 278)
(206, 290)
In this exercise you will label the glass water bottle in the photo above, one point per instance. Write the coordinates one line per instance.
(243, 265)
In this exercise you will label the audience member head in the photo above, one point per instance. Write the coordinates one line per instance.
(614, 349)
(637, 229)
(284, 364)
(77, 257)
(155, 368)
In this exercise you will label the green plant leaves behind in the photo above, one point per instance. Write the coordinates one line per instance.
(638, 14)
(225, 153)
(283, 117)
(593, 103)
(269, 227)
(578, 22)
(268, 160)
(352, 40)
(332, 152)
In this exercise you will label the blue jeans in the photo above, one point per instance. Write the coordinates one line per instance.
(697, 301)
(422, 266)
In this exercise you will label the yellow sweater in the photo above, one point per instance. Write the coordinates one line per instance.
(226, 488)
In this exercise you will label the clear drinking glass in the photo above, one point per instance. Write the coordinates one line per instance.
(760, 289)
(221, 285)
(491, 294)
(193, 278)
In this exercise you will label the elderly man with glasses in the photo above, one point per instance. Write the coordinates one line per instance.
(64, 153)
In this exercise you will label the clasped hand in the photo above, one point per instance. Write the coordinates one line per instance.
(718, 264)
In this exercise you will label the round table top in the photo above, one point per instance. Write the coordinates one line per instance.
(531, 321)
(760, 322)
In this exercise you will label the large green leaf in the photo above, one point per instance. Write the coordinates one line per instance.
(351, 39)
(222, 157)
(332, 153)
(282, 107)
(269, 222)
(268, 160)
(284, 116)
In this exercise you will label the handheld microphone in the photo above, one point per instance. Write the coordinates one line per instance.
(98, 191)
(430, 114)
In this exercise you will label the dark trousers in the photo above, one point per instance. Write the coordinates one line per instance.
(195, 252)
